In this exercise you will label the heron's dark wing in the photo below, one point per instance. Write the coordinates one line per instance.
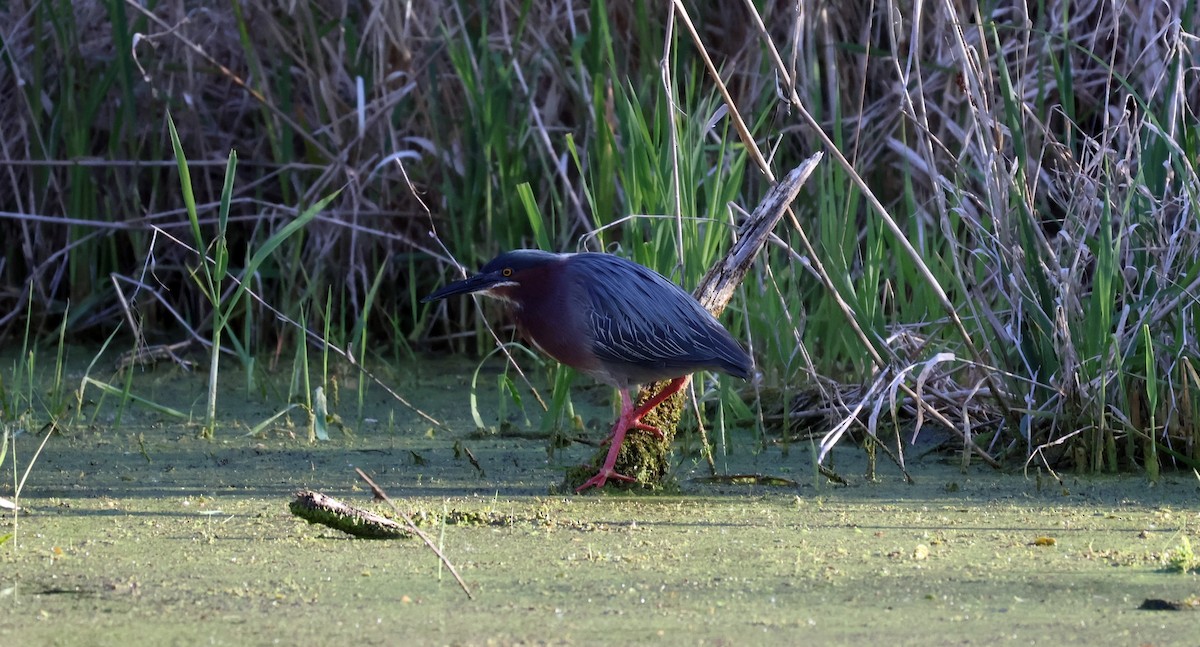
(648, 327)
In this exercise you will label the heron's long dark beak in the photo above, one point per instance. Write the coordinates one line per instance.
(477, 283)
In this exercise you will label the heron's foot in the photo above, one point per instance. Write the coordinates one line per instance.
(655, 431)
(641, 426)
(602, 477)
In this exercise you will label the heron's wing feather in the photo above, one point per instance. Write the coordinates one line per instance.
(637, 317)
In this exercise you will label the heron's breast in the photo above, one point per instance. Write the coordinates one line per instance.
(556, 325)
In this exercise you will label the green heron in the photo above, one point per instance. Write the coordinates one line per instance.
(612, 319)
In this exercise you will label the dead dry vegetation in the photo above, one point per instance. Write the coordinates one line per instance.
(1002, 240)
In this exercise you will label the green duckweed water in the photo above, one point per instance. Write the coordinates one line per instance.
(145, 535)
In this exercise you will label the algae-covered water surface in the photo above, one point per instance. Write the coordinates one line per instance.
(144, 534)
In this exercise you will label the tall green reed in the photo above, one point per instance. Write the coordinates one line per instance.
(213, 272)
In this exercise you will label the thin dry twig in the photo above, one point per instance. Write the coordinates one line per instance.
(380, 494)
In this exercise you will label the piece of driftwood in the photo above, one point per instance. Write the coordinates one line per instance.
(643, 456)
(325, 510)
(717, 287)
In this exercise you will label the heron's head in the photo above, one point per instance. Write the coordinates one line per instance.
(502, 275)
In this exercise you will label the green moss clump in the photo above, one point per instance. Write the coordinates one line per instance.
(643, 456)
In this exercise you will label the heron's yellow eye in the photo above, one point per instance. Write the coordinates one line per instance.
(506, 271)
